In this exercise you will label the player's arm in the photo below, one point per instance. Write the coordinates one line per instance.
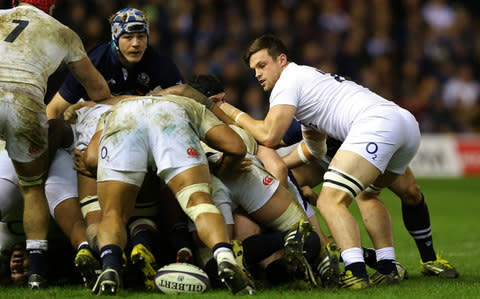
(57, 106)
(90, 78)
(269, 131)
(311, 148)
(224, 139)
(86, 162)
(190, 92)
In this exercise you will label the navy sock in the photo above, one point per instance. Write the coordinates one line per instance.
(311, 247)
(37, 261)
(220, 245)
(417, 221)
(358, 269)
(386, 266)
(143, 237)
(111, 256)
(95, 246)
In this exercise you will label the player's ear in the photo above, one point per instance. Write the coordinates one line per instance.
(282, 59)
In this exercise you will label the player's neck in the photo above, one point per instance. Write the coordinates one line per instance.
(128, 65)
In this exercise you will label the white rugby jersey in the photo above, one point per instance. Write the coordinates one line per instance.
(201, 119)
(325, 102)
(32, 46)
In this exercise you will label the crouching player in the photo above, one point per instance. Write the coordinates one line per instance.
(165, 132)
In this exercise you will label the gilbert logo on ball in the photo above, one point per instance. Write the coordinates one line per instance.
(181, 278)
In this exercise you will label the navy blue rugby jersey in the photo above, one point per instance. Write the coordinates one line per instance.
(152, 71)
(294, 135)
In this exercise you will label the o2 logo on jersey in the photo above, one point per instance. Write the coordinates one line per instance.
(192, 152)
(104, 152)
(267, 180)
(372, 149)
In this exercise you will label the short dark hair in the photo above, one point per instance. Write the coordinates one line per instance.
(208, 85)
(270, 42)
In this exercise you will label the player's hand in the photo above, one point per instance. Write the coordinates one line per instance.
(310, 195)
(80, 165)
(228, 109)
(70, 114)
(245, 165)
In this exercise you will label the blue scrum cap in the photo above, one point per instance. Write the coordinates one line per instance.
(128, 20)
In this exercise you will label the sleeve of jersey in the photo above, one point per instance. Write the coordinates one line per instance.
(76, 50)
(285, 92)
(208, 120)
(164, 69)
(71, 90)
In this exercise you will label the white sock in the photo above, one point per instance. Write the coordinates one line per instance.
(81, 244)
(224, 254)
(352, 255)
(37, 244)
(386, 253)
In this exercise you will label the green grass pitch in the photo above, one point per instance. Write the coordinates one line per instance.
(454, 206)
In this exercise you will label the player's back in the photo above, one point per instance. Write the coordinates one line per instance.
(33, 44)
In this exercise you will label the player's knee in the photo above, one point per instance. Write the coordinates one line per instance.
(196, 209)
(89, 204)
(29, 181)
(289, 217)
(141, 224)
(411, 195)
(338, 180)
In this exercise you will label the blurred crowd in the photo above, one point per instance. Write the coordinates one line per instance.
(422, 54)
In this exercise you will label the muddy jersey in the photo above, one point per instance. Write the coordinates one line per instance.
(200, 118)
(326, 102)
(33, 44)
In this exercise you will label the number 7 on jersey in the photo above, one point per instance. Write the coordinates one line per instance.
(22, 24)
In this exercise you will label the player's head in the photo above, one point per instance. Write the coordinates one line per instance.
(267, 55)
(210, 86)
(130, 31)
(45, 5)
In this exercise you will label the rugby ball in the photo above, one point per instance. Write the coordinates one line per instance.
(181, 278)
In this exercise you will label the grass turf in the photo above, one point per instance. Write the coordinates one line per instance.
(454, 205)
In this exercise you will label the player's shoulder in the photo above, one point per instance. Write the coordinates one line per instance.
(152, 57)
(100, 52)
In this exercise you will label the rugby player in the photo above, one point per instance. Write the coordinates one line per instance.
(170, 127)
(34, 45)
(379, 140)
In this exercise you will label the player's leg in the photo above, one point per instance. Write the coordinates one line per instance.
(377, 221)
(416, 218)
(192, 188)
(117, 200)
(92, 214)
(36, 217)
(344, 180)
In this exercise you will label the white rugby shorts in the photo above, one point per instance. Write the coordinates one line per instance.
(251, 190)
(388, 139)
(60, 185)
(86, 124)
(24, 129)
(135, 138)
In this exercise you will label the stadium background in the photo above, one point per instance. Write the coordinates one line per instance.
(424, 55)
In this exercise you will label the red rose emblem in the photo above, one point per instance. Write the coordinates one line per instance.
(33, 149)
(192, 152)
(267, 180)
